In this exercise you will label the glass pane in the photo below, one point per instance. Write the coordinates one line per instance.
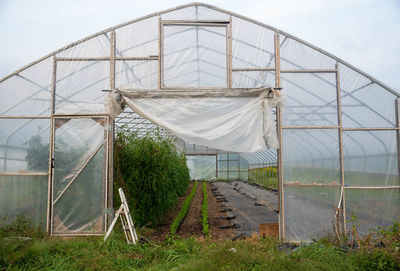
(372, 208)
(311, 156)
(311, 99)
(79, 86)
(24, 195)
(80, 208)
(309, 211)
(24, 145)
(370, 158)
(194, 56)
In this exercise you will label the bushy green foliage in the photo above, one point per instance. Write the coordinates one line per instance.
(204, 210)
(182, 213)
(151, 172)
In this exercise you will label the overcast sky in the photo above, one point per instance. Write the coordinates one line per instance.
(365, 33)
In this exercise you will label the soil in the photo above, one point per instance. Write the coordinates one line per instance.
(160, 234)
(191, 224)
(214, 218)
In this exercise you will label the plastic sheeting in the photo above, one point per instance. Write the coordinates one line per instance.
(237, 124)
(202, 167)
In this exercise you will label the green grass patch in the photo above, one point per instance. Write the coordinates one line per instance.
(204, 210)
(183, 254)
(182, 213)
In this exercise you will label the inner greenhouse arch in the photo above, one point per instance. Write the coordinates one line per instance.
(339, 130)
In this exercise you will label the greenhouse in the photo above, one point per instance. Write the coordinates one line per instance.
(237, 96)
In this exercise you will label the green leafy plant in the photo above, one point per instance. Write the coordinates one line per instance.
(152, 173)
(204, 210)
(182, 213)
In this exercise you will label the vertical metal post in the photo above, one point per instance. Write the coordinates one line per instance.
(397, 108)
(281, 201)
(340, 135)
(110, 140)
(160, 60)
(51, 150)
(112, 60)
(230, 53)
(216, 167)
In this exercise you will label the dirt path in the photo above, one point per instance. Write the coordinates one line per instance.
(214, 218)
(191, 225)
(162, 231)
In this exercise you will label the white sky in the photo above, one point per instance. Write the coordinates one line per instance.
(365, 33)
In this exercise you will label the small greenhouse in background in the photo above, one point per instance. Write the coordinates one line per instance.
(179, 69)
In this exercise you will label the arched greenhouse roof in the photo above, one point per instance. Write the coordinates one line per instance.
(338, 128)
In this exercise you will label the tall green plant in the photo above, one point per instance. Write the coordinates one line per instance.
(152, 173)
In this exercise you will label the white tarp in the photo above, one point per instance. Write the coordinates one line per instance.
(236, 124)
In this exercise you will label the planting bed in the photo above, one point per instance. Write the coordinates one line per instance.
(234, 210)
(191, 224)
(248, 206)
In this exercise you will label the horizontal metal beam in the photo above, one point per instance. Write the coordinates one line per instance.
(252, 69)
(309, 71)
(310, 127)
(144, 58)
(24, 174)
(373, 187)
(308, 185)
(25, 117)
(372, 129)
(197, 93)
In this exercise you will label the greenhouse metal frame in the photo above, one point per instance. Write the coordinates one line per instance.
(339, 133)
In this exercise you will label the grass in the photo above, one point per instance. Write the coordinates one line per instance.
(183, 211)
(204, 210)
(40, 252)
(182, 254)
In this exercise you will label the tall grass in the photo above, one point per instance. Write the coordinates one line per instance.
(151, 172)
